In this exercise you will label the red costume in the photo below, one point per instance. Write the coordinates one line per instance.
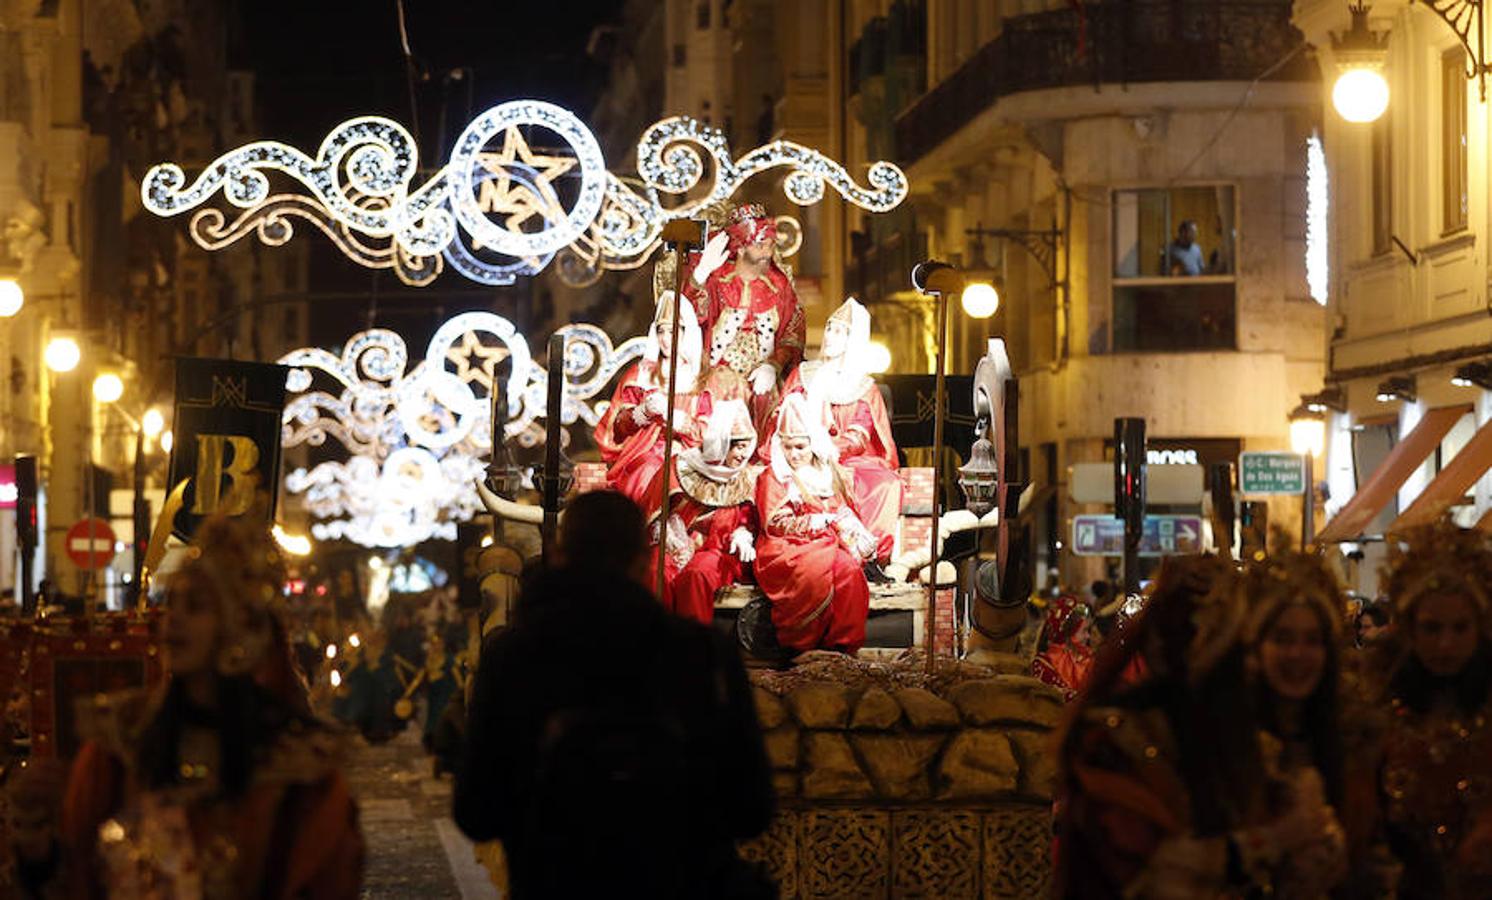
(1067, 660)
(748, 321)
(856, 417)
(711, 531)
(630, 432)
(813, 547)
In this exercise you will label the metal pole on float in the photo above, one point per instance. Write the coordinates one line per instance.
(938, 279)
(680, 235)
(556, 386)
(940, 400)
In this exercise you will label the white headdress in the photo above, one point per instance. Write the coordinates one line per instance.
(798, 416)
(844, 379)
(729, 420)
(691, 342)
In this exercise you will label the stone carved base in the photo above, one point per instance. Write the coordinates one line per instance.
(998, 853)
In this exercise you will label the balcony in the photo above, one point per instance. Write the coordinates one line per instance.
(1104, 43)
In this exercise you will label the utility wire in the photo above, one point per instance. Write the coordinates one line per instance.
(409, 72)
(1237, 108)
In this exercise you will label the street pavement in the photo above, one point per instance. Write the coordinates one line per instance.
(413, 848)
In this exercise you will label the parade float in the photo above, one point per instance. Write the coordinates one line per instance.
(917, 766)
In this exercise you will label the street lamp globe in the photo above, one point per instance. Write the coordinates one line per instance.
(62, 354)
(1360, 95)
(108, 388)
(12, 298)
(1308, 434)
(877, 357)
(980, 300)
(152, 423)
(167, 441)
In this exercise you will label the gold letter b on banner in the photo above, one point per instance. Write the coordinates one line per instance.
(213, 463)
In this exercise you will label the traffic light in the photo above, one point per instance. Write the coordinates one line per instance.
(1129, 473)
(26, 501)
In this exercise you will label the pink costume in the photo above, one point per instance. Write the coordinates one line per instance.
(811, 553)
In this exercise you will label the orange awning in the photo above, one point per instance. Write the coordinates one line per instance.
(1451, 485)
(1485, 522)
(1384, 483)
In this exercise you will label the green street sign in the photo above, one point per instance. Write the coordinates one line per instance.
(1271, 473)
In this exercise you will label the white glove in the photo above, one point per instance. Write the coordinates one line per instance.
(820, 521)
(712, 258)
(655, 404)
(763, 378)
(743, 545)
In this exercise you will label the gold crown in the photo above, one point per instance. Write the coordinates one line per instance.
(845, 314)
(1287, 577)
(1439, 558)
(746, 212)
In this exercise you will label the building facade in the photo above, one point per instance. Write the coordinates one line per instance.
(1408, 301)
(1134, 179)
(90, 96)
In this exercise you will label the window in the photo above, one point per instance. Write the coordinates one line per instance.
(702, 16)
(678, 55)
(1453, 139)
(1174, 264)
(1383, 186)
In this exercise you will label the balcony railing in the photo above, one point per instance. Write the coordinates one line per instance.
(1109, 43)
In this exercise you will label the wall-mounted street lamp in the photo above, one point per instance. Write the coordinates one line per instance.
(62, 354)
(12, 298)
(1360, 93)
(1476, 374)
(877, 358)
(1308, 439)
(1332, 399)
(1400, 387)
(108, 388)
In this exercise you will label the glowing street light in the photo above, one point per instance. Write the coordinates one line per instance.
(293, 544)
(1360, 94)
(108, 388)
(877, 357)
(1308, 438)
(167, 441)
(12, 298)
(152, 423)
(62, 354)
(980, 299)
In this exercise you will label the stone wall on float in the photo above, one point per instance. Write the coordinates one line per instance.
(893, 783)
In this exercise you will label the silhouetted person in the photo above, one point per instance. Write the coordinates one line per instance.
(612, 747)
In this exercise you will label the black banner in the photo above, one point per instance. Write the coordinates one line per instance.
(911, 407)
(227, 437)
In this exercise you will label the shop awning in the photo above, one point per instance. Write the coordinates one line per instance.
(1375, 493)
(1451, 485)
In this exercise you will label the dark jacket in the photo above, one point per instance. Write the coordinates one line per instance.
(602, 646)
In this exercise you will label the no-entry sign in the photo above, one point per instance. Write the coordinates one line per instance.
(90, 544)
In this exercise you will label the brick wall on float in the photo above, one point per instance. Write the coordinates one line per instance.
(915, 535)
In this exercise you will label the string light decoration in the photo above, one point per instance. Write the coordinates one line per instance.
(500, 207)
(418, 435)
(1317, 197)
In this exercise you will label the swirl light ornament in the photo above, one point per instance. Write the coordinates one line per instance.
(501, 207)
(417, 436)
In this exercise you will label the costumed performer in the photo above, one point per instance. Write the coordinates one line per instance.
(857, 420)
(753, 324)
(812, 550)
(215, 786)
(1163, 790)
(711, 531)
(630, 433)
(1067, 658)
(1308, 717)
(1437, 773)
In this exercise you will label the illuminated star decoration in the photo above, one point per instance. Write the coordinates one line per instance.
(416, 437)
(495, 210)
